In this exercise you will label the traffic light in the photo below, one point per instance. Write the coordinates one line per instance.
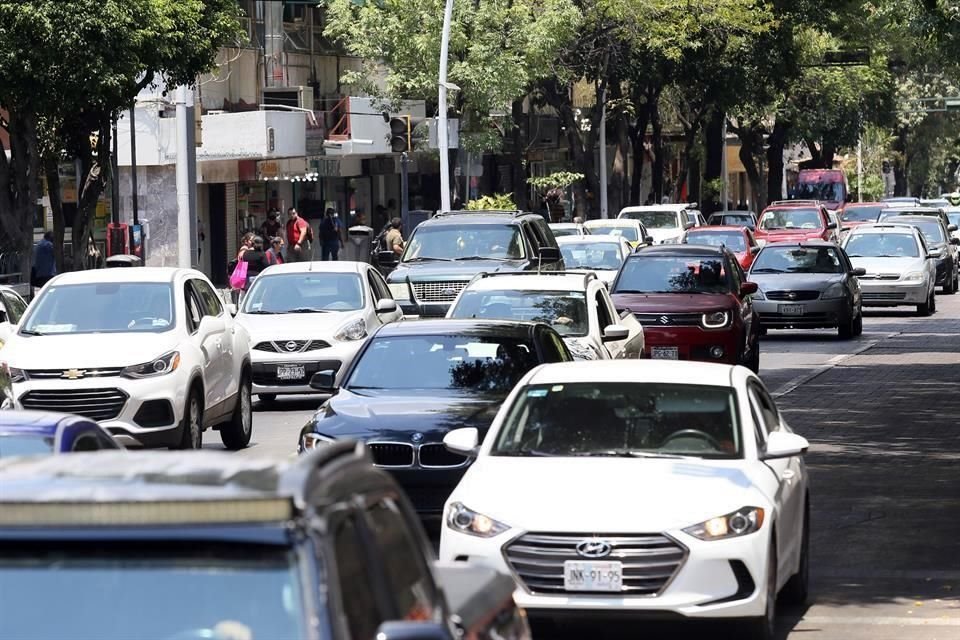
(401, 138)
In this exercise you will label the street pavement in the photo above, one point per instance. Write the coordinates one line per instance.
(881, 413)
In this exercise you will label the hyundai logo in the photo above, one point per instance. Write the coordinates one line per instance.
(664, 319)
(594, 548)
(290, 346)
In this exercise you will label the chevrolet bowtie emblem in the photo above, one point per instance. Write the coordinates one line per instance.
(73, 374)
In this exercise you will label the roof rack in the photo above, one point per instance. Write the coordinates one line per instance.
(467, 212)
(587, 275)
(808, 202)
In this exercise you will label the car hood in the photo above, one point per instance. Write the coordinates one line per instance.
(659, 235)
(888, 265)
(398, 418)
(295, 326)
(795, 281)
(607, 495)
(672, 302)
(86, 351)
(452, 270)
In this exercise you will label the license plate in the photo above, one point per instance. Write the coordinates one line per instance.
(291, 372)
(664, 353)
(592, 576)
(791, 309)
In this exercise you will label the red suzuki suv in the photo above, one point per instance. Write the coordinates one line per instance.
(795, 221)
(693, 302)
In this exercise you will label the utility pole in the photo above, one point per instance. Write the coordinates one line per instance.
(724, 186)
(860, 169)
(404, 186)
(133, 163)
(115, 181)
(604, 214)
(184, 215)
(443, 133)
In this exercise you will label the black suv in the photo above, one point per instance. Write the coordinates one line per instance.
(446, 251)
(941, 245)
(205, 545)
(413, 382)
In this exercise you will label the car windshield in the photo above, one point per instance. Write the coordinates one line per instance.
(470, 363)
(732, 240)
(733, 221)
(656, 219)
(793, 259)
(17, 444)
(559, 232)
(304, 292)
(156, 590)
(824, 191)
(473, 241)
(565, 311)
(791, 219)
(602, 256)
(106, 307)
(621, 419)
(630, 234)
(862, 214)
(930, 228)
(882, 245)
(673, 274)
(954, 217)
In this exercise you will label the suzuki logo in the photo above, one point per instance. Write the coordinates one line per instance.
(664, 319)
(73, 374)
(290, 346)
(594, 548)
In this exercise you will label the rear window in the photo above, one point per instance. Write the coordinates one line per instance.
(793, 218)
(862, 214)
(733, 240)
(673, 274)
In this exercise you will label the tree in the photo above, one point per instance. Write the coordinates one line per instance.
(68, 68)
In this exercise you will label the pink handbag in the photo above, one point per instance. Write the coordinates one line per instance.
(238, 279)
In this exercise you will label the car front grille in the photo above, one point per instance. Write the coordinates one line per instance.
(73, 374)
(880, 276)
(291, 346)
(649, 560)
(96, 404)
(882, 296)
(391, 454)
(793, 295)
(442, 291)
(668, 319)
(437, 456)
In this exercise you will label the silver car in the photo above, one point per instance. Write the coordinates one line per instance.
(900, 269)
(809, 285)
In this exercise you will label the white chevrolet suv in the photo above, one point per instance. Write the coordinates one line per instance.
(149, 353)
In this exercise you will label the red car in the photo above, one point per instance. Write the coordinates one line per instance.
(739, 240)
(693, 302)
(856, 214)
(796, 221)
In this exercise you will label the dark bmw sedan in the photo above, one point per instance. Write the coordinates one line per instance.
(415, 381)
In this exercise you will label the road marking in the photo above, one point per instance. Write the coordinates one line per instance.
(802, 379)
(883, 621)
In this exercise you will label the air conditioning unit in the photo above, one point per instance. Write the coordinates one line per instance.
(299, 97)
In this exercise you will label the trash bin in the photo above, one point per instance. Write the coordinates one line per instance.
(123, 260)
(359, 240)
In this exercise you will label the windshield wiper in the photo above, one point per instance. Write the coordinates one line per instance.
(31, 332)
(261, 313)
(483, 258)
(768, 270)
(525, 452)
(426, 259)
(627, 453)
(307, 310)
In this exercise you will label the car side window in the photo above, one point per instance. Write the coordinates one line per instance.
(375, 292)
(556, 348)
(763, 403)
(193, 307)
(603, 311)
(357, 593)
(86, 442)
(736, 275)
(381, 285)
(533, 238)
(408, 577)
(15, 307)
(544, 234)
(208, 298)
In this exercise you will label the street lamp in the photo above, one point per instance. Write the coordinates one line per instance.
(443, 137)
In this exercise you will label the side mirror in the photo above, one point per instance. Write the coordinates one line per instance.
(465, 441)
(210, 325)
(386, 305)
(955, 241)
(615, 333)
(748, 288)
(755, 250)
(831, 225)
(858, 271)
(550, 255)
(647, 239)
(412, 631)
(932, 256)
(783, 444)
(387, 257)
(231, 309)
(324, 381)
(951, 228)
(3, 316)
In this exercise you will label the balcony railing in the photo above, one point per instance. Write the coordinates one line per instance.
(333, 117)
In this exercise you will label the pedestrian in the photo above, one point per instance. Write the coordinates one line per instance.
(271, 226)
(256, 260)
(330, 235)
(299, 234)
(246, 243)
(394, 239)
(650, 200)
(44, 262)
(275, 252)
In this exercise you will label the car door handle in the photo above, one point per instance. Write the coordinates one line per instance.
(788, 474)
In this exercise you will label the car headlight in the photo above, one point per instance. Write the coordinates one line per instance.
(167, 363)
(353, 330)
(739, 523)
(715, 320)
(913, 276)
(759, 295)
(836, 290)
(311, 441)
(399, 291)
(464, 520)
(16, 375)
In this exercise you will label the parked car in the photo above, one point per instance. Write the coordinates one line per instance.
(892, 213)
(829, 186)
(322, 547)
(601, 254)
(711, 518)
(696, 218)
(899, 269)
(633, 231)
(739, 240)
(24, 433)
(446, 251)
(565, 229)
(746, 219)
(576, 305)
(796, 222)
(149, 353)
(12, 308)
(810, 285)
(413, 382)
(664, 222)
(855, 214)
(694, 303)
(942, 246)
(305, 317)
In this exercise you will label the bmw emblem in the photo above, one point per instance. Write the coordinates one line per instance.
(417, 437)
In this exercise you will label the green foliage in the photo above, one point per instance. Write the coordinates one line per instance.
(496, 202)
(557, 180)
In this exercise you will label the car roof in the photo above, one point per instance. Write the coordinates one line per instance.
(599, 238)
(473, 327)
(329, 266)
(565, 225)
(719, 227)
(131, 274)
(479, 217)
(551, 281)
(679, 250)
(856, 205)
(885, 227)
(800, 204)
(912, 211)
(805, 243)
(675, 207)
(634, 371)
(612, 222)
(912, 219)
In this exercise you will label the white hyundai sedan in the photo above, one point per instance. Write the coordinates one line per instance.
(305, 317)
(652, 488)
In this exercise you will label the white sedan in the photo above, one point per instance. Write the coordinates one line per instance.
(305, 317)
(601, 254)
(651, 488)
(12, 308)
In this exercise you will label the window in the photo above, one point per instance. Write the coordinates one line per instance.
(310, 292)
(375, 292)
(356, 588)
(556, 348)
(193, 307)
(673, 274)
(565, 311)
(408, 579)
(86, 442)
(102, 307)
(736, 274)
(798, 259)
(208, 298)
(544, 236)
(603, 312)
(763, 403)
(382, 289)
(15, 307)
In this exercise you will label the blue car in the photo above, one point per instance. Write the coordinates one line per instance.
(25, 433)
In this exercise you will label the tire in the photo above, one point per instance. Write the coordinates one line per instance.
(848, 329)
(191, 424)
(933, 303)
(797, 589)
(236, 433)
(763, 627)
(927, 307)
(753, 362)
(858, 325)
(267, 398)
(950, 286)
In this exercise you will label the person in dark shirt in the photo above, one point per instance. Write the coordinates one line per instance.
(256, 260)
(44, 263)
(271, 226)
